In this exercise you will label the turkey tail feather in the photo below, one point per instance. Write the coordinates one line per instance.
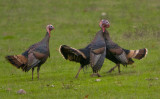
(17, 60)
(137, 54)
(71, 54)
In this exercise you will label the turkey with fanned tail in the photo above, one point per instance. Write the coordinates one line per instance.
(117, 54)
(81, 56)
(93, 54)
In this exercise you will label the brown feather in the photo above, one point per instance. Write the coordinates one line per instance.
(130, 54)
(39, 55)
(17, 60)
(117, 51)
(71, 54)
(99, 51)
(137, 54)
(142, 53)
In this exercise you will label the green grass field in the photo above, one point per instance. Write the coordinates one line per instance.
(134, 24)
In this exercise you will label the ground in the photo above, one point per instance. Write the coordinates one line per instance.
(134, 24)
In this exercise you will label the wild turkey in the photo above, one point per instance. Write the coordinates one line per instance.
(93, 54)
(34, 56)
(97, 53)
(117, 54)
(81, 56)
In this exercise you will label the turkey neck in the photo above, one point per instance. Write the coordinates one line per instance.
(46, 38)
(106, 35)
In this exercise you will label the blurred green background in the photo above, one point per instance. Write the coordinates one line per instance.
(134, 24)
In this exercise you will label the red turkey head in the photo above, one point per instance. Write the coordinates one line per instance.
(49, 28)
(104, 24)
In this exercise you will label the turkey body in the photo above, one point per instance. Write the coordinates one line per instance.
(86, 51)
(34, 56)
(97, 53)
(93, 54)
(37, 54)
(120, 55)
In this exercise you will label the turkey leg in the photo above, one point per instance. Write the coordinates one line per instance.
(38, 72)
(78, 72)
(112, 69)
(119, 68)
(32, 72)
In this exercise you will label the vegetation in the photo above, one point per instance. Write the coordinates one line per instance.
(134, 24)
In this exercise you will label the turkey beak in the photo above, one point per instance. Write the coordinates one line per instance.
(52, 28)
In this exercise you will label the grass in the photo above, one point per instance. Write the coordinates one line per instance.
(134, 25)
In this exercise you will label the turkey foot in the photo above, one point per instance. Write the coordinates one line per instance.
(95, 74)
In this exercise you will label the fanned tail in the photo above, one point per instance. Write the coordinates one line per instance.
(71, 54)
(18, 61)
(137, 54)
